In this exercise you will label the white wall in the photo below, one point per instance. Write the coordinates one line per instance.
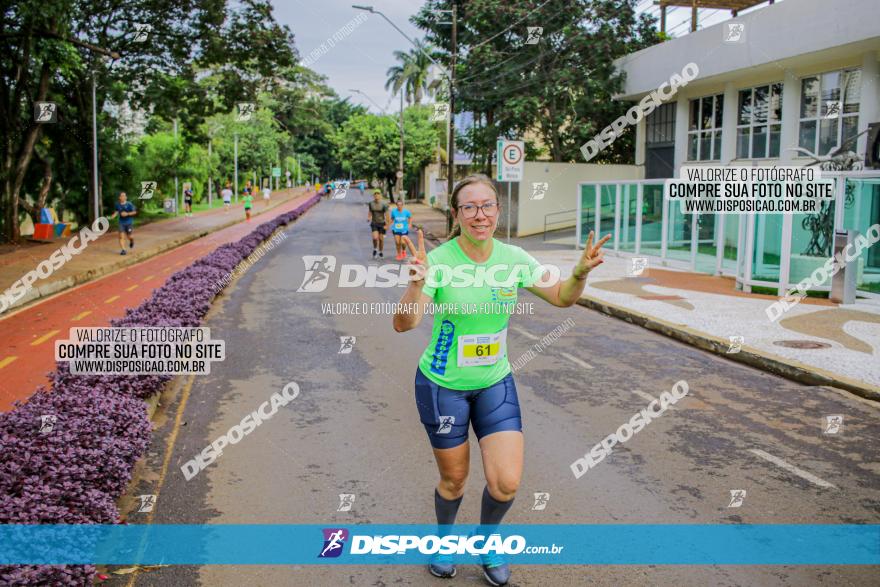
(562, 193)
(772, 34)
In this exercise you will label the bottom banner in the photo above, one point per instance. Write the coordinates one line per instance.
(564, 544)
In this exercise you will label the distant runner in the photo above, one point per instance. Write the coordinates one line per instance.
(378, 217)
(126, 212)
(188, 201)
(227, 196)
(248, 204)
(400, 228)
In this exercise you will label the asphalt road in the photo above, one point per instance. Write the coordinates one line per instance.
(354, 429)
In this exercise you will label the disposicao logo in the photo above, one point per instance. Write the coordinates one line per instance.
(474, 544)
(318, 270)
(501, 276)
(334, 541)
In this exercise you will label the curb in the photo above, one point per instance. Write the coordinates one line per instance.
(152, 402)
(39, 293)
(792, 370)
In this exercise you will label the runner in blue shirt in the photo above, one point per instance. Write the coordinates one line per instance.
(126, 212)
(400, 228)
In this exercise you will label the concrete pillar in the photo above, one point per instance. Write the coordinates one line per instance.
(681, 128)
(641, 140)
(728, 124)
(791, 103)
(869, 106)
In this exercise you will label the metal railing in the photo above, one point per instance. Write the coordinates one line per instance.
(565, 221)
(765, 250)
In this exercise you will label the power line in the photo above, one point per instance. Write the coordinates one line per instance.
(513, 56)
(495, 36)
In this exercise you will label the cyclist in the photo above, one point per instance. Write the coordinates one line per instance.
(463, 378)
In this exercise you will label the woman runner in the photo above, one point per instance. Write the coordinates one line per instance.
(463, 378)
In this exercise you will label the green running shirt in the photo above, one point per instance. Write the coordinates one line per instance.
(468, 348)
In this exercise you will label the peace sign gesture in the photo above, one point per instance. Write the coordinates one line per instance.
(419, 262)
(591, 258)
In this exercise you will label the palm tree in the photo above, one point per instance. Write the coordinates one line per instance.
(398, 75)
(411, 74)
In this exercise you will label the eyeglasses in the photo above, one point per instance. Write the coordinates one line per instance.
(470, 210)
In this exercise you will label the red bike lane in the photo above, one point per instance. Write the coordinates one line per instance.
(27, 343)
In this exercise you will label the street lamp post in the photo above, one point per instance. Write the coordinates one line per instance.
(450, 76)
(211, 134)
(400, 161)
(177, 203)
(235, 157)
(210, 180)
(370, 99)
(97, 198)
(400, 127)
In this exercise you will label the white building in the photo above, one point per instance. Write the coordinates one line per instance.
(798, 73)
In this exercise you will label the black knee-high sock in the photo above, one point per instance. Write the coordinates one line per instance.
(492, 510)
(446, 509)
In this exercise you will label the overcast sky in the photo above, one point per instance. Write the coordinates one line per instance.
(361, 59)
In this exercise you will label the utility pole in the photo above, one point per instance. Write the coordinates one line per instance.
(97, 198)
(400, 161)
(235, 156)
(210, 184)
(176, 195)
(450, 152)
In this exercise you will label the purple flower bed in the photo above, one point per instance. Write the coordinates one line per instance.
(74, 474)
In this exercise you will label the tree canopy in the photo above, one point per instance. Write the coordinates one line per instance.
(556, 85)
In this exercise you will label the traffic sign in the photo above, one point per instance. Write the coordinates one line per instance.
(510, 160)
(399, 174)
(276, 172)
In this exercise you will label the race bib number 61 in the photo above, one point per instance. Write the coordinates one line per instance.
(481, 349)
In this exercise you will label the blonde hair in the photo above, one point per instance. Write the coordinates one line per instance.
(469, 180)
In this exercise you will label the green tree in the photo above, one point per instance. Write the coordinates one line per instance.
(411, 73)
(420, 145)
(51, 50)
(560, 88)
(368, 146)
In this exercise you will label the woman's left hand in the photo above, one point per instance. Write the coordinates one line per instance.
(591, 258)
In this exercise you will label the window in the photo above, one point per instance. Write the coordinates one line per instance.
(759, 122)
(660, 126)
(829, 110)
(704, 128)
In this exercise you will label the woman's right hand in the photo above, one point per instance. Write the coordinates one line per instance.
(418, 267)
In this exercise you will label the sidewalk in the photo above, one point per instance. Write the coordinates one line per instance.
(816, 343)
(102, 257)
(433, 222)
(27, 347)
